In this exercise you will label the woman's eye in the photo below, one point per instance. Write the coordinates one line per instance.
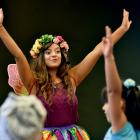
(47, 52)
(58, 51)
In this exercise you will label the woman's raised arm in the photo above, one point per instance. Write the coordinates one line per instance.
(21, 61)
(80, 71)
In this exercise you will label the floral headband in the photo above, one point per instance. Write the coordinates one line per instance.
(45, 39)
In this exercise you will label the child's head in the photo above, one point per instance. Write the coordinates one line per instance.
(130, 102)
(21, 118)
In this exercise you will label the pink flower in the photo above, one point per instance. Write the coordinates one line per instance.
(58, 39)
(64, 45)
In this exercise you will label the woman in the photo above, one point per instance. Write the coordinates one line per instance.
(121, 100)
(52, 80)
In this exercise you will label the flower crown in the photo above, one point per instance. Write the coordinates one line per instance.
(45, 39)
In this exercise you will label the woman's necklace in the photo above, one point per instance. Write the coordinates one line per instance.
(55, 85)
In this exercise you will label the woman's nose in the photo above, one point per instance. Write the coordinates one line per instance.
(53, 53)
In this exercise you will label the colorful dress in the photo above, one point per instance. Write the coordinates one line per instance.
(62, 116)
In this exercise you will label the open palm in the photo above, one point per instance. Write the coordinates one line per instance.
(126, 22)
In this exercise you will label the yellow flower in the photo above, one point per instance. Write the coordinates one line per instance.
(35, 49)
(37, 44)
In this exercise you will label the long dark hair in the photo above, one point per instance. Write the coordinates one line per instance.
(132, 100)
(131, 97)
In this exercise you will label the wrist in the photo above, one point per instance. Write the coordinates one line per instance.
(124, 28)
(109, 57)
(1, 26)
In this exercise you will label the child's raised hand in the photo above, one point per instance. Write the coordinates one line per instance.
(107, 47)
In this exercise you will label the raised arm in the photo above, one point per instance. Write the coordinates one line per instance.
(22, 63)
(114, 84)
(80, 71)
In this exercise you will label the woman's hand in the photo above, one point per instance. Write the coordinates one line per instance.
(1, 17)
(126, 22)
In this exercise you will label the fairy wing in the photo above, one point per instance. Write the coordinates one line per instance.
(14, 80)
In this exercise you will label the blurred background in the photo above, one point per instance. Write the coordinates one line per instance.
(81, 23)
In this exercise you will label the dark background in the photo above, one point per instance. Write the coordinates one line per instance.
(82, 24)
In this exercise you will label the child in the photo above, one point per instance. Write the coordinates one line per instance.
(121, 100)
(21, 118)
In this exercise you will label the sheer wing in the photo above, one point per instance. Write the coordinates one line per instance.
(14, 80)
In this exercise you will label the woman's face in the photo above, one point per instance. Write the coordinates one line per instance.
(53, 56)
